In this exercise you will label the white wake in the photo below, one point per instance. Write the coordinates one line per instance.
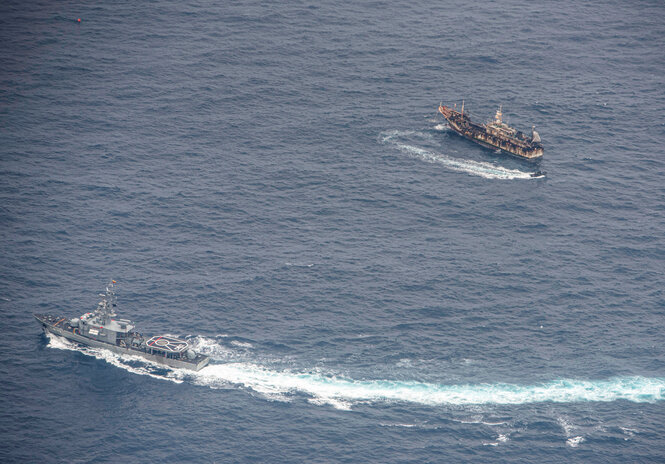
(476, 168)
(343, 392)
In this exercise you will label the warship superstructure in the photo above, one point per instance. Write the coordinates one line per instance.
(495, 134)
(101, 329)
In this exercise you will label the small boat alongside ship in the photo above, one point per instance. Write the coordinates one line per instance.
(101, 329)
(495, 134)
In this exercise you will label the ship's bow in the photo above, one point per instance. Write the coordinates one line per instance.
(445, 111)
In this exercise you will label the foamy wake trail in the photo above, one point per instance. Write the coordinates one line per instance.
(343, 392)
(337, 390)
(477, 168)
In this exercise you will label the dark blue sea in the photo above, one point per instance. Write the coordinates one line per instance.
(270, 181)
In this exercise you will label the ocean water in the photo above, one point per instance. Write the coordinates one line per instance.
(270, 180)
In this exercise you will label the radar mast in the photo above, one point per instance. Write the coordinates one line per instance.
(498, 117)
(106, 308)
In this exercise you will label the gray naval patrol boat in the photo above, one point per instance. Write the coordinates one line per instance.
(100, 329)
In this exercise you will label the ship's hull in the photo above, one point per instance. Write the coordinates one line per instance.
(195, 365)
(478, 134)
(527, 154)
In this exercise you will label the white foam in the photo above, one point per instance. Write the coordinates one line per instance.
(60, 343)
(502, 438)
(566, 426)
(480, 420)
(494, 423)
(476, 168)
(210, 347)
(574, 442)
(335, 403)
(242, 344)
(331, 389)
(628, 432)
(342, 393)
(568, 430)
(288, 263)
(406, 426)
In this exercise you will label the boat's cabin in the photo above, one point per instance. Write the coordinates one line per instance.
(500, 128)
(115, 331)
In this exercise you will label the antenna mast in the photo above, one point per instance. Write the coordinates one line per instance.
(106, 307)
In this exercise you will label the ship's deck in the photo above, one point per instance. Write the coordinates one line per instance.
(167, 344)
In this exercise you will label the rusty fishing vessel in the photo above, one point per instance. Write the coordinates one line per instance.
(101, 329)
(495, 134)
